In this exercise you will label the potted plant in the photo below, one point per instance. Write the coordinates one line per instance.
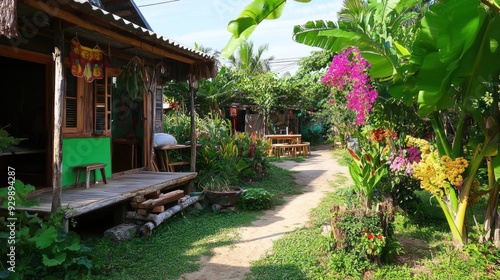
(220, 194)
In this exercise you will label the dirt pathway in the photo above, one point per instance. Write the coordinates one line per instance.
(233, 262)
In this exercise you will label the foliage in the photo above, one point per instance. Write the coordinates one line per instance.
(372, 26)
(6, 140)
(233, 158)
(43, 249)
(443, 69)
(242, 27)
(250, 62)
(362, 236)
(367, 170)
(134, 79)
(178, 124)
(256, 199)
(217, 184)
(291, 257)
(178, 92)
(213, 93)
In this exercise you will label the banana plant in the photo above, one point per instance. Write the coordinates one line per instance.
(453, 53)
(242, 27)
(372, 26)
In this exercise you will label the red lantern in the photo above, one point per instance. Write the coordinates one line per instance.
(233, 111)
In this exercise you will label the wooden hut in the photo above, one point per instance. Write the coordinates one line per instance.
(73, 109)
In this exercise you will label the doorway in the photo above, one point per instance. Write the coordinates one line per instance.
(24, 114)
(127, 132)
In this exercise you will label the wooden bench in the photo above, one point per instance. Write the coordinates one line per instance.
(90, 167)
(293, 149)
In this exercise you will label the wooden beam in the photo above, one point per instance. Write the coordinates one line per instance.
(21, 54)
(92, 26)
(58, 116)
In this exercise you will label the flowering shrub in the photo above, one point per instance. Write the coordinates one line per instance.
(348, 73)
(437, 175)
(372, 243)
(401, 180)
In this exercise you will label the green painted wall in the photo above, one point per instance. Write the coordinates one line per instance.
(77, 151)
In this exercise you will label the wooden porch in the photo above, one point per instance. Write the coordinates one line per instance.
(118, 190)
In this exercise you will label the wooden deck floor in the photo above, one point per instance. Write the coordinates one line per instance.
(119, 189)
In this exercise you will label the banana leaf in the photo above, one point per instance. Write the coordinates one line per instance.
(242, 27)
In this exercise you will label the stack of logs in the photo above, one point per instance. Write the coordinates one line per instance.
(148, 205)
(154, 202)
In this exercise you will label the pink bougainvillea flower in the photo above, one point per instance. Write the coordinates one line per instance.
(348, 73)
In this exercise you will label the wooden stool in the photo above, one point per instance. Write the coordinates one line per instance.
(90, 167)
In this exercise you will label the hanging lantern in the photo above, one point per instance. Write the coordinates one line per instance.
(233, 111)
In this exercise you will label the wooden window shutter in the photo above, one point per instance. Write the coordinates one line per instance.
(73, 104)
(158, 125)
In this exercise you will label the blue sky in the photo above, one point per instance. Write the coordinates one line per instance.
(204, 22)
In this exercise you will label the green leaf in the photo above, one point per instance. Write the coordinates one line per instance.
(45, 237)
(432, 84)
(57, 260)
(75, 246)
(242, 27)
(402, 51)
(496, 166)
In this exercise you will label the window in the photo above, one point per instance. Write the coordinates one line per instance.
(73, 104)
(102, 106)
(87, 107)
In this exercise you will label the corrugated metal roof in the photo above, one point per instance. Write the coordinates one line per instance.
(139, 30)
(126, 9)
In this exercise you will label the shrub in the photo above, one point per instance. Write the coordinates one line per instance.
(362, 238)
(235, 158)
(42, 248)
(256, 199)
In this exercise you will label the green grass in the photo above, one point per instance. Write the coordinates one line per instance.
(174, 248)
(177, 245)
(279, 182)
(305, 253)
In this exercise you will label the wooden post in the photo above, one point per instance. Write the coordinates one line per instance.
(58, 116)
(193, 86)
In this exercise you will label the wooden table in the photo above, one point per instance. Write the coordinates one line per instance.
(281, 138)
(164, 162)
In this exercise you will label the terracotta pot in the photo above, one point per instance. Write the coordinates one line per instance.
(225, 199)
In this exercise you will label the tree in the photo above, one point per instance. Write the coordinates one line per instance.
(249, 61)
